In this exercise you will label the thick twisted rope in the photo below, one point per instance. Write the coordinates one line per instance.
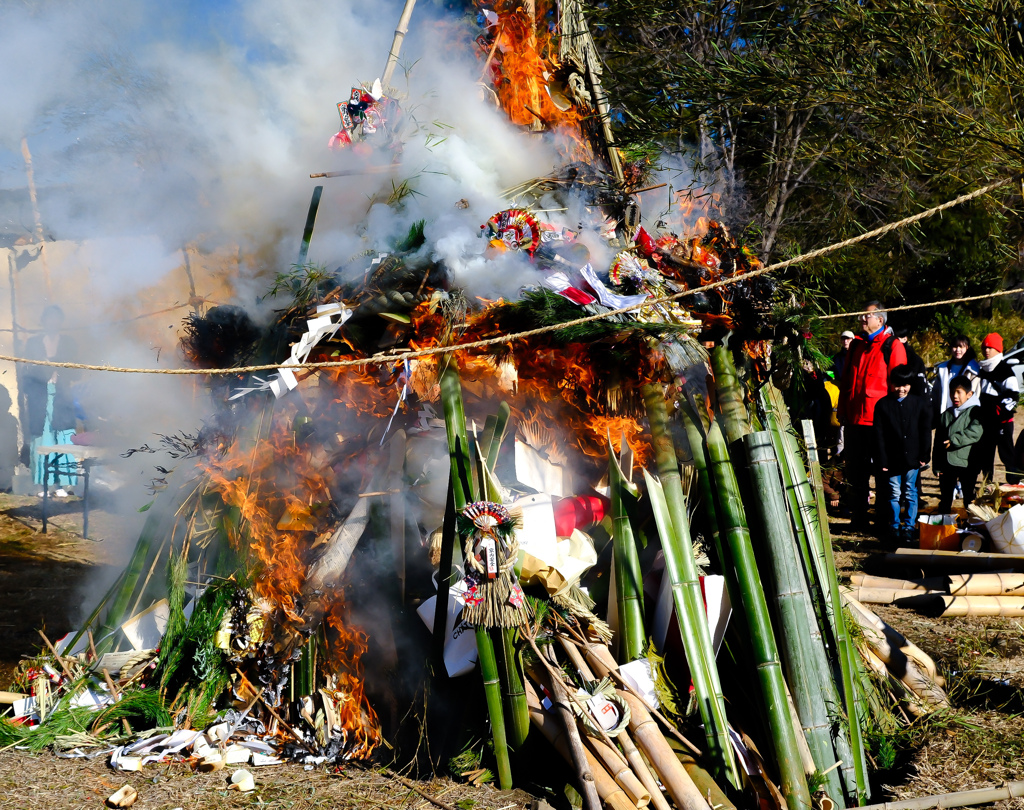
(385, 359)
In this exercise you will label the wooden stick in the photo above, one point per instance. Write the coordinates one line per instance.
(612, 795)
(641, 769)
(414, 787)
(56, 656)
(591, 799)
(647, 188)
(490, 55)
(608, 666)
(117, 696)
(92, 647)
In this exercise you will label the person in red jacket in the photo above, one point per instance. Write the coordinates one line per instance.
(873, 354)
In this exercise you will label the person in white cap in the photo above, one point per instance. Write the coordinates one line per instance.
(839, 358)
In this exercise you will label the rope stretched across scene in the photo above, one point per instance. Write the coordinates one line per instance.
(382, 359)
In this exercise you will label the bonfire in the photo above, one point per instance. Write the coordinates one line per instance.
(563, 498)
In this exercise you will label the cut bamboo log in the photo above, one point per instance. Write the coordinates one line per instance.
(859, 580)
(885, 596)
(707, 786)
(611, 794)
(963, 798)
(621, 773)
(643, 771)
(900, 642)
(945, 606)
(906, 669)
(986, 584)
(959, 560)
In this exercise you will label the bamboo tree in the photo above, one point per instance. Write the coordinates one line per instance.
(766, 654)
(700, 464)
(806, 665)
(458, 451)
(628, 583)
(669, 506)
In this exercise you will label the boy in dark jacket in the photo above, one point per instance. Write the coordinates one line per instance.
(903, 430)
(957, 443)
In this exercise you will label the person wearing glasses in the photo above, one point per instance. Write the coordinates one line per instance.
(873, 355)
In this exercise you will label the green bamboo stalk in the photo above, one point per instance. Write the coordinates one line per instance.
(516, 706)
(803, 655)
(766, 654)
(669, 506)
(730, 396)
(852, 700)
(707, 492)
(458, 451)
(445, 579)
(628, 582)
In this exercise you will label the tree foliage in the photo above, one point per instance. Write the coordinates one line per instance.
(819, 120)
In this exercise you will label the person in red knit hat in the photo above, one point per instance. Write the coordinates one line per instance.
(998, 393)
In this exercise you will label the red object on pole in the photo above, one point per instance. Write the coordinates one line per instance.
(579, 513)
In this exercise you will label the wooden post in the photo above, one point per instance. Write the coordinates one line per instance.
(33, 197)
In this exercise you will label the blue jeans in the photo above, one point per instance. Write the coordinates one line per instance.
(903, 492)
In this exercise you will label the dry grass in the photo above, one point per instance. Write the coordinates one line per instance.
(46, 782)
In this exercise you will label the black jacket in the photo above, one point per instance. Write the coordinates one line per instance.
(916, 367)
(904, 431)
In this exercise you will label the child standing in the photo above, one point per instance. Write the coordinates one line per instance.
(903, 429)
(957, 443)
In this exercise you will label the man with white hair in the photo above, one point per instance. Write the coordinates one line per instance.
(873, 354)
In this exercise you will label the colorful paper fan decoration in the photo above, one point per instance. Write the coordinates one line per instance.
(517, 228)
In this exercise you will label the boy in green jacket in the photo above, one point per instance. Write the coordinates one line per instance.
(956, 444)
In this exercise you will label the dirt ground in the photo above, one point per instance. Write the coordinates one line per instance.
(980, 743)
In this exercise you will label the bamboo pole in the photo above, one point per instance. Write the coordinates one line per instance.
(766, 654)
(669, 506)
(396, 43)
(700, 463)
(894, 638)
(886, 596)
(735, 421)
(30, 177)
(859, 580)
(944, 606)
(963, 798)
(991, 584)
(629, 749)
(806, 664)
(458, 451)
(628, 582)
(707, 786)
(608, 791)
(847, 654)
(899, 664)
(959, 560)
(620, 772)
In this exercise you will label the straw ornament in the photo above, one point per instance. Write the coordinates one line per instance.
(493, 597)
(600, 689)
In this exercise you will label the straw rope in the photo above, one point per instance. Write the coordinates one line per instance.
(384, 358)
(904, 307)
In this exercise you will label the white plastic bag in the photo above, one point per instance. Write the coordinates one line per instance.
(1007, 531)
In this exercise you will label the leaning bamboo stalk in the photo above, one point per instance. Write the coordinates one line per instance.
(899, 664)
(895, 639)
(852, 700)
(963, 798)
(621, 773)
(458, 451)
(707, 786)
(669, 506)
(806, 664)
(700, 464)
(735, 421)
(755, 608)
(642, 725)
(659, 753)
(610, 793)
(628, 583)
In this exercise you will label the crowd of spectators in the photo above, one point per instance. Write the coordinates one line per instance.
(888, 411)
